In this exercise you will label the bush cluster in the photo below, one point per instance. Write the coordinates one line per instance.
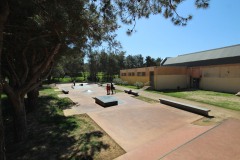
(139, 84)
(119, 81)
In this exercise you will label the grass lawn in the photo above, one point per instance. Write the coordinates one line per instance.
(224, 100)
(130, 86)
(54, 136)
(68, 80)
(146, 99)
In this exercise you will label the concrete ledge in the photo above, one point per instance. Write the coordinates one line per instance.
(131, 92)
(186, 107)
(65, 91)
(106, 101)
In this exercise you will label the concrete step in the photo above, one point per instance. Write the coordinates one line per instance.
(146, 88)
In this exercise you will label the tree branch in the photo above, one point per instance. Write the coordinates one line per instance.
(38, 82)
(8, 89)
(12, 70)
(25, 64)
(37, 75)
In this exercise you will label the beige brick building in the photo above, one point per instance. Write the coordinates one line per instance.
(216, 70)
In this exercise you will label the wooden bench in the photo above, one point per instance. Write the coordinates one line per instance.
(134, 93)
(131, 92)
(65, 91)
(186, 107)
(127, 91)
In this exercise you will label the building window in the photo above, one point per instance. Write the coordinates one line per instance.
(143, 74)
(139, 73)
(129, 74)
(133, 74)
(123, 74)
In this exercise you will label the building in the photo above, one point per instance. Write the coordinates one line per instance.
(216, 70)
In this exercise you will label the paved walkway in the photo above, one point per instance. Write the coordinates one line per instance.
(134, 126)
(153, 131)
(220, 143)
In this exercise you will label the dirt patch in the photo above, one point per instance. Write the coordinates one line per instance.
(146, 99)
(205, 121)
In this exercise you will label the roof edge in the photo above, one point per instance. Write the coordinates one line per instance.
(207, 50)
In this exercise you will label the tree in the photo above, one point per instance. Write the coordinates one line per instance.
(149, 61)
(121, 59)
(74, 63)
(93, 64)
(112, 66)
(58, 70)
(130, 61)
(40, 33)
(138, 61)
(158, 61)
(4, 11)
(103, 61)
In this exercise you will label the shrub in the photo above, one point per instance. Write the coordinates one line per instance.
(125, 83)
(118, 81)
(138, 84)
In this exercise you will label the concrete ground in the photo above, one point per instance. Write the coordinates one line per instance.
(220, 143)
(153, 131)
(84, 95)
(132, 126)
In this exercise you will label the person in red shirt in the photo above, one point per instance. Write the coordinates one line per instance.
(108, 89)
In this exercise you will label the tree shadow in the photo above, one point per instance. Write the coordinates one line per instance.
(89, 146)
(51, 135)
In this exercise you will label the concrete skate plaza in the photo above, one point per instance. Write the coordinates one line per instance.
(143, 130)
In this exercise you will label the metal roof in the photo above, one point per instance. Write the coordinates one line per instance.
(214, 54)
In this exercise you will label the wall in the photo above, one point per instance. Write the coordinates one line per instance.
(171, 77)
(132, 79)
(222, 78)
(136, 78)
(170, 82)
(231, 85)
(163, 70)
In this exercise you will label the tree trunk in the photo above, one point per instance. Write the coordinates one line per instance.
(49, 79)
(4, 11)
(32, 100)
(2, 141)
(19, 117)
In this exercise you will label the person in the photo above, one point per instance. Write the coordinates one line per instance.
(112, 87)
(74, 83)
(108, 89)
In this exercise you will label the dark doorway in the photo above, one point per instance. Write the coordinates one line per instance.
(151, 77)
(195, 83)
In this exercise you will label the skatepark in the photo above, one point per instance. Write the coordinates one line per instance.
(155, 131)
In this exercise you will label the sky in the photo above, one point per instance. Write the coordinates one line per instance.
(215, 27)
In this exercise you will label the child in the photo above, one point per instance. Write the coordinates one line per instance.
(108, 89)
(112, 88)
